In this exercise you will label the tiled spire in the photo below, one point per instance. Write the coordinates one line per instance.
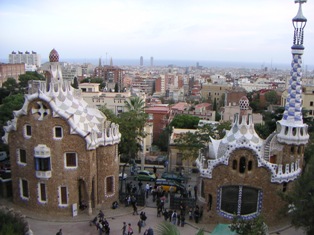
(291, 129)
(293, 108)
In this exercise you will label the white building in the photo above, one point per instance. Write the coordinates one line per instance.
(27, 58)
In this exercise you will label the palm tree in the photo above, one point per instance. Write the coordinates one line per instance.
(135, 103)
(166, 228)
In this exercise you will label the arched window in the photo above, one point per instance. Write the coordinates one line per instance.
(242, 165)
(294, 131)
(239, 200)
(234, 164)
(284, 187)
(250, 164)
(286, 130)
(210, 202)
(299, 149)
(202, 189)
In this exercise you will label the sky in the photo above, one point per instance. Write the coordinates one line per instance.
(258, 31)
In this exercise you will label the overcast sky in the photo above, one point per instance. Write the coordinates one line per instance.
(231, 30)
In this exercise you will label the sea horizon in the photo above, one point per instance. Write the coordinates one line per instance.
(181, 63)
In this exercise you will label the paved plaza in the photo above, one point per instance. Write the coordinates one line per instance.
(44, 224)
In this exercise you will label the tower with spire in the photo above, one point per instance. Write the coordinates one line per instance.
(291, 130)
(241, 174)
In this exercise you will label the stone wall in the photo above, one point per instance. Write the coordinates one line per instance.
(258, 178)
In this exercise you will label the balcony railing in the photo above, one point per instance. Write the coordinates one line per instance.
(43, 174)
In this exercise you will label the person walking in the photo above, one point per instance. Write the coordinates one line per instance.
(130, 230)
(134, 205)
(101, 215)
(124, 229)
(99, 228)
(150, 231)
(182, 220)
(134, 209)
(195, 192)
(140, 185)
(166, 214)
(143, 218)
(196, 215)
(174, 217)
(190, 213)
(190, 191)
(139, 224)
(147, 188)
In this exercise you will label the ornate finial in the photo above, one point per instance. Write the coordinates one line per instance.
(299, 22)
(53, 56)
(244, 103)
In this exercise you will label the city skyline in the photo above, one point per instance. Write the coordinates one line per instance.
(245, 31)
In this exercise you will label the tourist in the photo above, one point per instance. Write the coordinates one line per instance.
(174, 217)
(147, 188)
(124, 229)
(139, 224)
(195, 192)
(190, 191)
(130, 230)
(182, 220)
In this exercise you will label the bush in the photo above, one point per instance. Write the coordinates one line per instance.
(10, 225)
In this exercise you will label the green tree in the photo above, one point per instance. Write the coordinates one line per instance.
(11, 86)
(3, 93)
(131, 126)
(205, 132)
(185, 121)
(10, 103)
(271, 97)
(10, 225)
(25, 78)
(75, 83)
(136, 104)
(222, 128)
(254, 226)
(270, 120)
(163, 140)
(167, 228)
(189, 144)
(109, 114)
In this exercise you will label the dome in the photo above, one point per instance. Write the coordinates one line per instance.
(244, 103)
(54, 56)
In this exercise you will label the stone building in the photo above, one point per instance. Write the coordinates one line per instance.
(11, 71)
(241, 174)
(63, 153)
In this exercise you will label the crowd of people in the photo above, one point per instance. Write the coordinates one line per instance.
(176, 216)
(101, 224)
(128, 230)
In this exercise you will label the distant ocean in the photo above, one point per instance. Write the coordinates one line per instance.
(182, 63)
